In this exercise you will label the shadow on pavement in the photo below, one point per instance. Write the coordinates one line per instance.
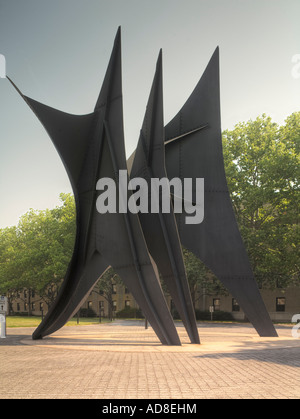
(289, 355)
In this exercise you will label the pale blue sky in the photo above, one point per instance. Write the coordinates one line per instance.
(57, 52)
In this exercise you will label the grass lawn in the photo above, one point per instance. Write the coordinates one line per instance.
(34, 321)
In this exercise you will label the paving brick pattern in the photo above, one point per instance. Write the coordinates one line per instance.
(124, 361)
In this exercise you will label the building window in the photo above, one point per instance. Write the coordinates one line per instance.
(114, 305)
(18, 306)
(101, 304)
(280, 304)
(114, 289)
(235, 305)
(216, 304)
(90, 304)
(127, 303)
(33, 306)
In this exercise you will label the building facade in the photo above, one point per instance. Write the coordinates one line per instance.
(281, 303)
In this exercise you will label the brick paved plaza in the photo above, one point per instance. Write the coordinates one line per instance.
(123, 360)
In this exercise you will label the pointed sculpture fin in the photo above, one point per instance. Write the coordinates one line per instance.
(109, 239)
(160, 229)
(217, 240)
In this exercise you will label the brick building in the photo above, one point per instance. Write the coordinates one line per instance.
(281, 303)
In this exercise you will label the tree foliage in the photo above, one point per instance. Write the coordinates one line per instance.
(106, 288)
(35, 254)
(201, 280)
(262, 167)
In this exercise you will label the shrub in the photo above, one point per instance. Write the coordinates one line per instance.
(217, 315)
(129, 313)
(87, 312)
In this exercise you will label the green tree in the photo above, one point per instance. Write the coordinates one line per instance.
(262, 167)
(10, 270)
(201, 280)
(35, 254)
(106, 287)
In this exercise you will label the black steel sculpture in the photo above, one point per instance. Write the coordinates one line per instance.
(92, 147)
(160, 229)
(194, 149)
